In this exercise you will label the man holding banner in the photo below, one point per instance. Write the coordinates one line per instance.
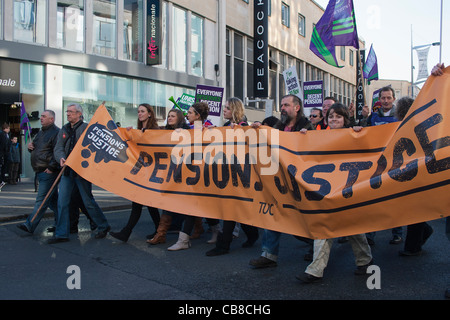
(385, 114)
(67, 139)
(292, 120)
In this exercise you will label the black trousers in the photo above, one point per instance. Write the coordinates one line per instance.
(416, 235)
(226, 236)
(136, 211)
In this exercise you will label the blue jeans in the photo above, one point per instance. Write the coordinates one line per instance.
(46, 181)
(66, 186)
(271, 244)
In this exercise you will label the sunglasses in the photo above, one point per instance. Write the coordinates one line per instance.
(313, 115)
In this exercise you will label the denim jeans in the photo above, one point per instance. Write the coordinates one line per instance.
(66, 186)
(46, 181)
(270, 244)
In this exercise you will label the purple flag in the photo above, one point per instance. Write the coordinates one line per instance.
(337, 27)
(24, 123)
(370, 70)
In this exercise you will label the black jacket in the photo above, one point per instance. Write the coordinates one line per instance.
(42, 155)
(302, 123)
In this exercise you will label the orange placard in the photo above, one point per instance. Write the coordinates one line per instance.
(322, 184)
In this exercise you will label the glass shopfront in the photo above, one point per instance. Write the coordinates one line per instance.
(122, 96)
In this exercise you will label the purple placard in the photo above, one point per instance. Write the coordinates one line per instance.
(313, 94)
(212, 96)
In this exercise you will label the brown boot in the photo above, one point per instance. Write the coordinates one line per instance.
(198, 228)
(164, 224)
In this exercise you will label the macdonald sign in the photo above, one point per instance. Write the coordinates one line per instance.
(322, 184)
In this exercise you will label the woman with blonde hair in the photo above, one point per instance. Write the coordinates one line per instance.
(233, 111)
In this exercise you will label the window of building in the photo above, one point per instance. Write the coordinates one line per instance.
(133, 30)
(70, 25)
(30, 19)
(238, 65)
(179, 39)
(104, 28)
(196, 45)
(343, 53)
(250, 69)
(285, 14)
(301, 25)
(350, 57)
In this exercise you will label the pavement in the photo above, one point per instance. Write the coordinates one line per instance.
(17, 201)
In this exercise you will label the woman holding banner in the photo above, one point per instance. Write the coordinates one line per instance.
(233, 112)
(198, 112)
(175, 120)
(146, 120)
(337, 117)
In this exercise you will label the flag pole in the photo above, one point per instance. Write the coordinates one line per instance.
(49, 192)
(440, 46)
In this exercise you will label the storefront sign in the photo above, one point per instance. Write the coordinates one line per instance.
(261, 50)
(154, 26)
(9, 81)
(360, 99)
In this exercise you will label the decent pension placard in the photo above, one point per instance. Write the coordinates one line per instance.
(322, 184)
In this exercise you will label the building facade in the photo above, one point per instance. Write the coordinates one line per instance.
(90, 51)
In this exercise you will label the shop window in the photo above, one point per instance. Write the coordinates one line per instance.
(70, 25)
(133, 26)
(179, 40)
(104, 28)
(30, 19)
(196, 45)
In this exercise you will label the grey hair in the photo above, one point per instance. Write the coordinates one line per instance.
(51, 112)
(78, 107)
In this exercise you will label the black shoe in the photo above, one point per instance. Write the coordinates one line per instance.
(216, 252)
(262, 262)
(57, 240)
(249, 243)
(362, 270)
(119, 236)
(308, 278)
(308, 256)
(396, 240)
(51, 229)
(23, 227)
(103, 233)
(406, 253)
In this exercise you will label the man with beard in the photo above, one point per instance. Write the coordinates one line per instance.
(292, 119)
(292, 116)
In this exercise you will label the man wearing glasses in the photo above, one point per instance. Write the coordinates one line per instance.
(316, 116)
(67, 139)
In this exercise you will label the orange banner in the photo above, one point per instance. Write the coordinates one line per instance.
(322, 184)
